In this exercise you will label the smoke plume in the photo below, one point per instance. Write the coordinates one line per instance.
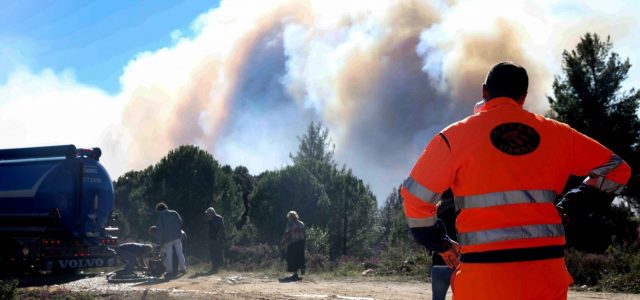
(248, 82)
(382, 76)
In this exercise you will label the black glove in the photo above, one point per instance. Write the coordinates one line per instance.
(433, 238)
(582, 201)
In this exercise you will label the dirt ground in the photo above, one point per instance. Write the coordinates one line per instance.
(256, 286)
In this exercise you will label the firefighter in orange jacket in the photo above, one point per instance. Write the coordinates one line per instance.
(505, 166)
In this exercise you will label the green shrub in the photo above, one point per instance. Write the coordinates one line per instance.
(624, 272)
(316, 262)
(255, 257)
(409, 260)
(318, 241)
(246, 236)
(345, 266)
(586, 268)
(617, 270)
(8, 289)
(626, 283)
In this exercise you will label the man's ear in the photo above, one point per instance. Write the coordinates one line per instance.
(485, 92)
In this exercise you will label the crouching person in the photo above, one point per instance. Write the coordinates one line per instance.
(133, 254)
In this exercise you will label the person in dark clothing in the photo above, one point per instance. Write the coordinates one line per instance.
(294, 240)
(216, 239)
(440, 272)
(132, 254)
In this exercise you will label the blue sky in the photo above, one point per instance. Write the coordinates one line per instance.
(94, 39)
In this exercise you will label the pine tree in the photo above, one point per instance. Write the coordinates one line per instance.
(589, 98)
(314, 146)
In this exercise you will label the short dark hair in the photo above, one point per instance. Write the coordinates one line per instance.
(161, 206)
(506, 79)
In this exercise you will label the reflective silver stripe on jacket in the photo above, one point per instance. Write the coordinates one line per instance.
(510, 233)
(422, 222)
(597, 178)
(420, 191)
(604, 184)
(505, 198)
(607, 167)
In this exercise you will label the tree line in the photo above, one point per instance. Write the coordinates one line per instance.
(340, 210)
(332, 201)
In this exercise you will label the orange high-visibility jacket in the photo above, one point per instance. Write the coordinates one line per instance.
(505, 166)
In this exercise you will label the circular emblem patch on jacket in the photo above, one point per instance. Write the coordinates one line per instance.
(515, 138)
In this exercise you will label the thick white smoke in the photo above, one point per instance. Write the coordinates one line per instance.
(384, 77)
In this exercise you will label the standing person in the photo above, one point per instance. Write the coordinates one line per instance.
(133, 254)
(440, 272)
(169, 235)
(505, 167)
(294, 240)
(216, 239)
(153, 231)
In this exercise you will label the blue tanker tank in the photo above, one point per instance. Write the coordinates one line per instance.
(54, 204)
